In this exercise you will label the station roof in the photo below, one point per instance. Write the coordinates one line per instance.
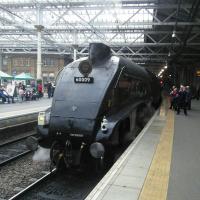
(150, 32)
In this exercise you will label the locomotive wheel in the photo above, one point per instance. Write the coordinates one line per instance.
(124, 132)
(141, 114)
(111, 156)
(56, 155)
(99, 165)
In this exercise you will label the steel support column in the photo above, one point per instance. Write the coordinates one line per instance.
(39, 51)
(75, 53)
(39, 28)
(75, 45)
(1, 61)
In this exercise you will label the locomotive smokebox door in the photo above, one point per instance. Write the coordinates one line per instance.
(85, 69)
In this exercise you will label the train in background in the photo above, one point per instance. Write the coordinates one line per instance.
(98, 104)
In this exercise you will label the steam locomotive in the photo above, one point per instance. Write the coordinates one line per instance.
(98, 104)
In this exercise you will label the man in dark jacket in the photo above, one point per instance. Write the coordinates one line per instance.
(188, 97)
(181, 100)
(49, 88)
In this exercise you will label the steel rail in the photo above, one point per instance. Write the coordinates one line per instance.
(43, 178)
(14, 125)
(14, 158)
(18, 139)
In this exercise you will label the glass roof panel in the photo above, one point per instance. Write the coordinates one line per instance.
(74, 21)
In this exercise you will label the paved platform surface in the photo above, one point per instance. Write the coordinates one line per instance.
(127, 176)
(26, 107)
(184, 182)
(163, 163)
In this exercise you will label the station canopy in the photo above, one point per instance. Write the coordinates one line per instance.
(150, 32)
(23, 76)
(3, 75)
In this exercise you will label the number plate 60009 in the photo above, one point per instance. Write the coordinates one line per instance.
(83, 79)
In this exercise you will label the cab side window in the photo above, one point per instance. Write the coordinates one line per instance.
(126, 91)
(124, 88)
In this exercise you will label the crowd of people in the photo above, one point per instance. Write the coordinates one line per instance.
(23, 92)
(5, 96)
(180, 99)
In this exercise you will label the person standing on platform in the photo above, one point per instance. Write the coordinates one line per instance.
(173, 94)
(23, 87)
(49, 89)
(21, 94)
(40, 90)
(188, 97)
(181, 100)
(53, 89)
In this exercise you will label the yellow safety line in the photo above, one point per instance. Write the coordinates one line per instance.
(162, 112)
(156, 183)
(164, 107)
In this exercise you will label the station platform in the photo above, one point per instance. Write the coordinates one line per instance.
(162, 163)
(26, 107)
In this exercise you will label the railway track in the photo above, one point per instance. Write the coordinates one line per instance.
(19, 174)
(31, 186)
(57, 185)
(13, 149)
(17, 130)
(62, 185)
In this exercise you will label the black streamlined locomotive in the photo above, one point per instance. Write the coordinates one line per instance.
(98, 104)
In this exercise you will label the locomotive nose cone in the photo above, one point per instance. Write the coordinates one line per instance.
(97, 150)
(32, 143)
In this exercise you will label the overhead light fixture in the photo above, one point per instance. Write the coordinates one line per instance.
(165, 67)
(169, 54)
(173, 34)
